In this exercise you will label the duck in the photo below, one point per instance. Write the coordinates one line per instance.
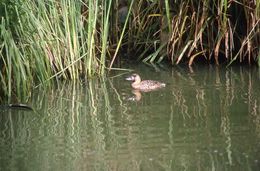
(145, 85)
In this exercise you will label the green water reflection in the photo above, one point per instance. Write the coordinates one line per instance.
(205, 119)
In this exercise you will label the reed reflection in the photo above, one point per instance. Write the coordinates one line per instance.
(219, 98)
(199, 120)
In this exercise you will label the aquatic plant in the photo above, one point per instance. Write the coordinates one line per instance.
(213, 31)
(51, 40)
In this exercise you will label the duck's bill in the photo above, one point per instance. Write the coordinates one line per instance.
(130, 78)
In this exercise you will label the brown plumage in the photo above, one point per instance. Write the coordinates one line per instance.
(145, 85)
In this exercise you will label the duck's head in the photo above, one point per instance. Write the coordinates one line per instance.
(134, 77)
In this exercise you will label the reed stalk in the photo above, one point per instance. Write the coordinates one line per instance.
(225, 31)
(54, 39)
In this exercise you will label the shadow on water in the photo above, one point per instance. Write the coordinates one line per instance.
(205, 119)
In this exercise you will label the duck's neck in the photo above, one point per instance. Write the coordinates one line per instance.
(137, 82)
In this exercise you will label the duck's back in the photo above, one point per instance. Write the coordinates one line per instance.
(150, 85)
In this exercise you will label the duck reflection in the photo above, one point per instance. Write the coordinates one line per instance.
(137, 95)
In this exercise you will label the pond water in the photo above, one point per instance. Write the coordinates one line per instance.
(206, 118)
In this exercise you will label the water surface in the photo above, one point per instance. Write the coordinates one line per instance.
(207, 118)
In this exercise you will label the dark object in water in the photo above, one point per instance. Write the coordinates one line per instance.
(145, 85)
(16, 106)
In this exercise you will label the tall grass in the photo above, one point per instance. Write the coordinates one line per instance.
(52, 39)
(184, 31)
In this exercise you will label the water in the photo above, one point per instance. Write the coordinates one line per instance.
(207, 118)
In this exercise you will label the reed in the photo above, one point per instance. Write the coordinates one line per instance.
(188, 31)
(225, 30)
(56, 39)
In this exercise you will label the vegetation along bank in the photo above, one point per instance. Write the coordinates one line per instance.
(66, 39)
